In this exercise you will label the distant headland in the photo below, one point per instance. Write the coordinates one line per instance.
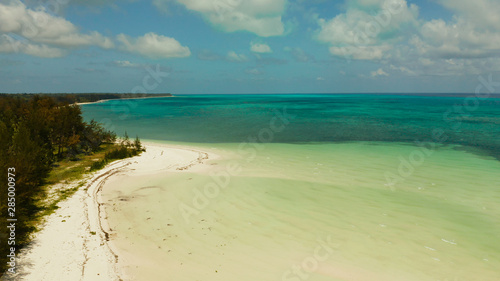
(84, 98)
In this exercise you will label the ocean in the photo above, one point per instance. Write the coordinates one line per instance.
(329, 187)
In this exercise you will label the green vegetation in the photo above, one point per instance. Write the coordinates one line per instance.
(124, 150)
(47, 142)
(91, 97)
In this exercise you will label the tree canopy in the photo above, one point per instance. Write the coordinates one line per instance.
(36, 132)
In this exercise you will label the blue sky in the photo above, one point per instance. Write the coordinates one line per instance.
(248, 46)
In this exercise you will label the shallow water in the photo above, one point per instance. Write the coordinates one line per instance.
(441, 223)
(311, 209)
(311, 118)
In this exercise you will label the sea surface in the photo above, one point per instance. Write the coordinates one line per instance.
(329, 187)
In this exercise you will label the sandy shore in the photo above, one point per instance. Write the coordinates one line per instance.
(295, 212)
(83, 103)
(99, 101)
(74, 243)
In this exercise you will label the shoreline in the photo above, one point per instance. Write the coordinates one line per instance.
(75, 241)
(133, 209)
(100, 101)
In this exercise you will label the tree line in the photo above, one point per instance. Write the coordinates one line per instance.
(35, 133)
(90, 97)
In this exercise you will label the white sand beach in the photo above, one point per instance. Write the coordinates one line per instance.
(74, 242)
(295, 212)
(99, 101)
(83, 103)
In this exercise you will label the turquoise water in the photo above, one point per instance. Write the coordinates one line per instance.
(317, 118)
(317, 167)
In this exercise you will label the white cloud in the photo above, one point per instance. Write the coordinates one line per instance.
(42, 51)
(234, 57)
(466, 44)
(74, 40)
(361, 52)
(9, 44)
(458, 39)
(254, 71)
(92, 2)
(482, 13)
(426, 61)
(260, 48)
(154, 46)
(39, 26)
(363, 35)
(379, 72)
(125, 63)
(299, 54)
(38, 33)
(261, 17)
(208, 55)
(162, 6)
(403, 69)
